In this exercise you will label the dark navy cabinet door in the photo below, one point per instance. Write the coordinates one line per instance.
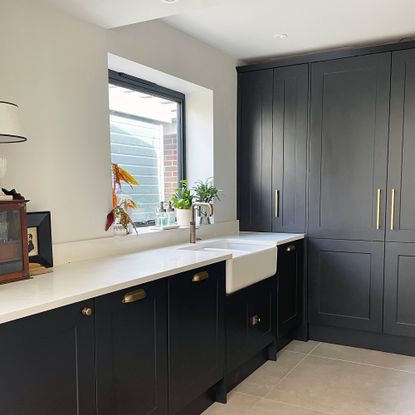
(255, 150)
(401, 180)
(348, 147)
(289, 287)
(400, 289)
(345, 283)
(47, 363)
(196, 334)
(131, 338)
(289, 163)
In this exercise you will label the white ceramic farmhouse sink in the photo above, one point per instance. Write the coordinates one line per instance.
(251, 261)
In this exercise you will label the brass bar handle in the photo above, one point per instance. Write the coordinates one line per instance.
(378, 199)
(200, 276)
(393, 209)
(134, 296)
(290, 248)
(277, 203)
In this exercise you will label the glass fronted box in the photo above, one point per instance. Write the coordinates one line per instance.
(14, 259)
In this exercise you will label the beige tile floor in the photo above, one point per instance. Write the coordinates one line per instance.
(326, 379)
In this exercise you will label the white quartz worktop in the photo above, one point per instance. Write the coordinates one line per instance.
(78, 281)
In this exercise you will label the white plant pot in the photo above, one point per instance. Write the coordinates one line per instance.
(183, 216)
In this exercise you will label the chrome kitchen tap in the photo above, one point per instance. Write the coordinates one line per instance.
(193, 221)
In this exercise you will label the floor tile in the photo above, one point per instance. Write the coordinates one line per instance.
(268, 375)
(301, 347)
(344, 388)
(372, 357)
(269, 407)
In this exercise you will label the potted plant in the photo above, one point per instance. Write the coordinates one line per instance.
(206, 192)
(182, 201)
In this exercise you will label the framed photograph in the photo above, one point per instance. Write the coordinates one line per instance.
(39, 238)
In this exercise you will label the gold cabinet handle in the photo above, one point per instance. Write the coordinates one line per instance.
(255, 320)
(378, 198)
(277, 203)
(87, 311)
(290, 248)
(134, 296)
(393, 209)
(200, 276)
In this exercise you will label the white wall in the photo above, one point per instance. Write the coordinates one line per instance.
(55, 67)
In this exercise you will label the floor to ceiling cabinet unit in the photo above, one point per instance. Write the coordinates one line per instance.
(343, 145)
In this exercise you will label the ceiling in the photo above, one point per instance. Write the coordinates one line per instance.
(249, 29)
(115, 13)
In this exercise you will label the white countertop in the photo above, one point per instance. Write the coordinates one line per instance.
(78, 281)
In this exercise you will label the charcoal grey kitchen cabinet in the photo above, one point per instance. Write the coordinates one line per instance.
(399, 306)
(289, 288)
(255, 150)
(289, 162)
(131, 351)
(196, 334)
(250, 322)
(348, 147)
(47, 363)
(401, 172)
(345, 283)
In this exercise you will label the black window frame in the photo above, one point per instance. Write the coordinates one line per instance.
(128, 81)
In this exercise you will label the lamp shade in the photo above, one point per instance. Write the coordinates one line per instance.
(10, 130)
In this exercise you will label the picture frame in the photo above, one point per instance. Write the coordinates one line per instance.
(40, 238)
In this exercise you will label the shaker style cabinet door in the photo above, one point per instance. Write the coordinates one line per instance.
(345, 284)
(196, 334)
(47, 363)
(401, 180)
(399, 289)
(131, 338)
(255, 150)
(348, 147)
(289, 164)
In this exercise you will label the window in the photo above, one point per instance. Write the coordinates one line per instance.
(147, 139)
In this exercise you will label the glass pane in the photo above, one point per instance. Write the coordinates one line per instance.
(144, 141)
(10, 242)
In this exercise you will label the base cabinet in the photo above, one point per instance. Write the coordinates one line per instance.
(346, 284)
(47, 363)
(131, 352)
(290, 296)
(250, 321)
(196, 334)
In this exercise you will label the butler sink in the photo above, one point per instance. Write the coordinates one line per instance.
(251, 261)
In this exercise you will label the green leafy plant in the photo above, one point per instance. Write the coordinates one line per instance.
(206, 191)
(183, 197)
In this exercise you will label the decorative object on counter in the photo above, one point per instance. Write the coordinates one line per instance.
(161, 216)
(14, 255)
(205, 192)
(182, 200)
(13, 194)
(39, 242)
(121, 204)
(171, 215)
(10, 132)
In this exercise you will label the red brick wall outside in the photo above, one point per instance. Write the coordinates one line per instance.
(170, 160)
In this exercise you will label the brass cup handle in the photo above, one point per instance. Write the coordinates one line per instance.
(87, 311)
(255, 320)
(291, 248)
(200, 276)
(134, 296)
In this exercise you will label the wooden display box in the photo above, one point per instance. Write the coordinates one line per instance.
(14, 257)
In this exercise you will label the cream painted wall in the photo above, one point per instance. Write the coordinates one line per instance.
(55, 67)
